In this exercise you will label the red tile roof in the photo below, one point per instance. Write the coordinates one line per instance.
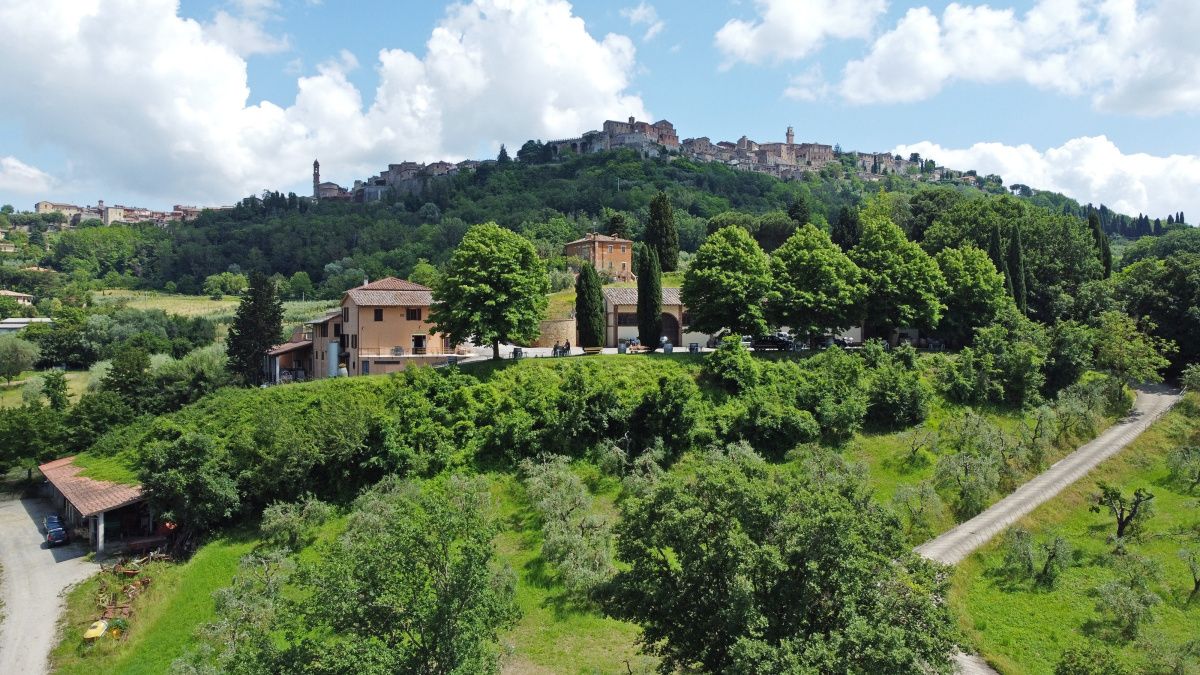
(392, 284)
(628, 296)
(598, 238)
(289, 346)
(373, 298)
(87, 495)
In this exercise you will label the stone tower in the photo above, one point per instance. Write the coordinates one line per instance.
(791, 137)
(316, 179)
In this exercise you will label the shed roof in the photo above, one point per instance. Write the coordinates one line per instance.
(289, 347)
(628, 296)
(87, 495)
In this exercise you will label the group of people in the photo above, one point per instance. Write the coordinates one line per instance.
(561, 349)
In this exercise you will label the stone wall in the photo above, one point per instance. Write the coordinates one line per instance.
(558, 330)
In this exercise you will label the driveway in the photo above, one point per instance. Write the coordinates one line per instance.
(31, 586)
(953, 546)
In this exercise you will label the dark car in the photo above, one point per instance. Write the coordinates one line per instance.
(57, 537)
(52, 522)
(776, 342)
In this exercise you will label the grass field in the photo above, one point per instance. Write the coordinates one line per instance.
(165, 617)
(10, 394)
(221, 311)
(1023, 629)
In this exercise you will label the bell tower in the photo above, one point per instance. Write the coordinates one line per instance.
(316, 179)
(791, 137)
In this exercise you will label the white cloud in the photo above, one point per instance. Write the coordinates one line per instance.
(1089, 169)
(1125, 58)
(243, 30)
(788, 30)
(168, 115)
(807, 86)
(17, 176)
(644, 15)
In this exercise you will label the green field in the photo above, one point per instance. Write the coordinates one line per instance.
(221, 311)
(10, 393)
(1023, 629)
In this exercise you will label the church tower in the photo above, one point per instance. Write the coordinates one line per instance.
(791, 137)
(316, 179)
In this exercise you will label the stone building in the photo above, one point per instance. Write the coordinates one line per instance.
(609, 255)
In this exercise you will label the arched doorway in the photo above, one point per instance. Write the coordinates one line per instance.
(670, 328)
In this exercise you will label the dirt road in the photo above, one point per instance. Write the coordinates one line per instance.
(32, 582)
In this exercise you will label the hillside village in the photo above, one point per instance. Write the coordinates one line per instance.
(786, 160)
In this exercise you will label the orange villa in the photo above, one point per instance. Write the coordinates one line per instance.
(381, 327)
(613, 255)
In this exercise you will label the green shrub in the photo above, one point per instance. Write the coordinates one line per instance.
(772, 426)
(897, 398)
(731, 366)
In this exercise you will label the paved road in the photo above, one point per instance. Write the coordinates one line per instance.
(953, 546)
(32, 582)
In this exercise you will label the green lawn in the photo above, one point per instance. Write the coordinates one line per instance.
(165, 619)
(1021, 629)
(116, 468)
(221, 311)
(10, 393)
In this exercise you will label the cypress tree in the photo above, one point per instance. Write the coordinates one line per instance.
(649, 307)
(996, 253)
(847, 229)
(256, 328)
(589, 308)
(503, 159)
(799, 211)
(662, 234)
(1103, 251)
(1016, 269)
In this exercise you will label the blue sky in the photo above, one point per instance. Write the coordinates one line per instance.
(1096, 98)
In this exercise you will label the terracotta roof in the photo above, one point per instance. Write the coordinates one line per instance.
(87, 495)
(397, 298)
(628, 296)
(331, 315)
(391, 284)
(598, 238)
(288, 347)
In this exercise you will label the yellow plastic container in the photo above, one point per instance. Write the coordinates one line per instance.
(96, 630)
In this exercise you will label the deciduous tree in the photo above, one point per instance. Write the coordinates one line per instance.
(816, 289)
(493, 290)
(726, 284)
(16, 356)
(976, 293)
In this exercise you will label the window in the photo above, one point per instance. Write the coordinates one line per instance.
(610, 264)
(337, 330)
(324, 330)
(412, 314)
(622, 267)
(610, 246)
(379, 314)
(354, 342)
(627, 319)
(622, 248)
(345, 314)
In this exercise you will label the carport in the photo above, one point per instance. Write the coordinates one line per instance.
(96, 504)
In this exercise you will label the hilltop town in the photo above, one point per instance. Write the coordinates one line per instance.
(786, 160)
(117, 213)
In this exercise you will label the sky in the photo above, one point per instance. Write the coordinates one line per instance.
(161, 102)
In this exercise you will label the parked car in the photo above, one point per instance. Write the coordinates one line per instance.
(776, 342)
(52, 522)
(57, 537)
(747, 341)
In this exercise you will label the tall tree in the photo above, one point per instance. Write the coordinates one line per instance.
(662, 234)
(976, 293)
(816, 288)
(799, 211)
(726, 284)
(129, 378)
(617, 223)
(54, 388)
(493, 290)
(904, 284)
(503, 159)
(589, 307)
(1103, 249)
(847, 229)
(1016, 270)
(996, 253)
(257, 327)
(649, 307)
(1128, 355)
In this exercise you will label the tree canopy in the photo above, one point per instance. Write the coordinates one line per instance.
(257, 327)
(493, 290)
(815, 287)
(726, 284)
